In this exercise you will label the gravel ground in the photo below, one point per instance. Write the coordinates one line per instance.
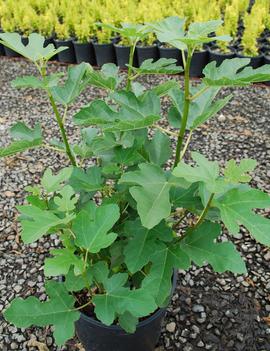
(209, 311)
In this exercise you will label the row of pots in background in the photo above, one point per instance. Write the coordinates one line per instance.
(98, 54)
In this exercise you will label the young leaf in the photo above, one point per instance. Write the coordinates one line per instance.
(132, 31)
(159, 280)
(232, 73)
(76, 82)
(38, 222)
(159, 148)
(134, 112)
(67, 199)
(236, 208)
(206, 172)
(61, 262)
(74, 282)
(187, 198)
(128, 322)
(199, 245)
(92, 224)
(161, 66)
(106, 78)
(237, 173)
(26, 138)
(163, 88)
(151, 194)
(57, 311)
(127, 156)
(34, 50)
(52, 183)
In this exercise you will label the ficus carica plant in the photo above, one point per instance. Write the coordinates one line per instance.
(122, 220)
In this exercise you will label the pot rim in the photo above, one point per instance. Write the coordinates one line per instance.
(140, 324)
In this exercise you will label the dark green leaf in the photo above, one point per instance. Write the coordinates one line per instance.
(159, 148)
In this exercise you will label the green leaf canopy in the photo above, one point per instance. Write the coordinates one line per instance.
(234, 72)
(161, 66)
(107, 78)
(61, 262)
(159, 148)
(25, 138)
(92, 224)
(34, 50)
(151, 194)
(58, 311)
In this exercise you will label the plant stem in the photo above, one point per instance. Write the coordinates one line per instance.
(83, 306)
(166, 131)
(204, 212)
(185, 110)
(47, 146)
(62, 130)
(130, 63)
(185, 146)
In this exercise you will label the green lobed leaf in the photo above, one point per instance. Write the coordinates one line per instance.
(38, 222)
(34, 50)
(92, 224)
(134, 112)
(75, 283)
(151, 194)
(51, 182)
(232, 73)
(89, 180)
(236, 207)
(25, 138)
(132, 31)
(67, 200)
(161, 66)
(186, 198)
(76, 82)
(61, 262)
(58, 311)
(164, 88)
(199, 245)
(106, 78)
(36, 83)
(159, 148)
(159, 279)
(237, 173)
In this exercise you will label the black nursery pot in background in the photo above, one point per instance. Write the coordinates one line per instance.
(84, 52)
(104, 53)
(2, 50)
(171, 53)
(219, 57)
(68, 55)
(199, 60)
(122, 55)
(95, 336)
(255, 61)
(146, 52)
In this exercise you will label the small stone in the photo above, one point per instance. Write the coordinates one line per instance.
(17, 288)
(198, 308)
(221, 118)
(267, 308)
(267, 255)
(200, 344)
(171, 327)
(14, 346)
(9, 193)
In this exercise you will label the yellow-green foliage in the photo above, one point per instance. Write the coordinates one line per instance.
(77, 18)
(255, 23)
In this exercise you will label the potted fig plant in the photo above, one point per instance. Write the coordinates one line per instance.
(121, 220)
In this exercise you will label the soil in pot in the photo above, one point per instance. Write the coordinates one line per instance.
(255, 61)
(68, 55)
(171, 53)
(219, 57)
(199, 60)
(104, 53)
(85, 52)
(147, 52)
(95, 336)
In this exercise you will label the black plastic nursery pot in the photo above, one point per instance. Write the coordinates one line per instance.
(255, 61)
(104, 53)
(2, 50)
(219, 57)
(199, 60)
(84, 52)
(147, 52)
(171, 53)
(122, 55)
(68, 55)
(95, 336)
